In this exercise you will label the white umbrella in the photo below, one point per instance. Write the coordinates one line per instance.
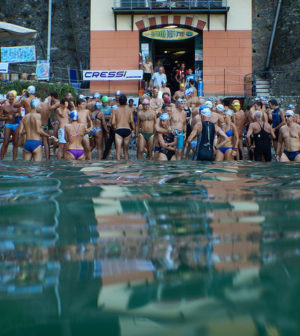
(13, 32)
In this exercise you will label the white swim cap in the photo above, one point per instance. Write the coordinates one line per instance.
(96, 95)
(206, 112)
(220, 108)
(289, 113)
(31, 89)
(35, 103)
(229, 112)
(208, 104)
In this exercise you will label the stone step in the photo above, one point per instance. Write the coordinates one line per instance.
(263, 82)
(263, 86)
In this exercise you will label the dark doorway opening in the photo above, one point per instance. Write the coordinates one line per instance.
(171, 54)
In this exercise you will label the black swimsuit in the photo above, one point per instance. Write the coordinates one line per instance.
(168, 138)
(262, 143)
(123, 132)
(205, 143)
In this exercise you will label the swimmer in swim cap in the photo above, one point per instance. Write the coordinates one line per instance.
(14, 92)
(34, 131)
(31, 90)
(35, 103)
(73, 115)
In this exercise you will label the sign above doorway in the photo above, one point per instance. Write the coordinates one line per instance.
(170, 34)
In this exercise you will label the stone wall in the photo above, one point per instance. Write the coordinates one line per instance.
(285, 57)
(70, 32)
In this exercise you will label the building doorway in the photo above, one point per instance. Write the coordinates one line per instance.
(172, 52)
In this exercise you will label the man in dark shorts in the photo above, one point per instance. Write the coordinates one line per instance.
(147, 67)
(123, 123)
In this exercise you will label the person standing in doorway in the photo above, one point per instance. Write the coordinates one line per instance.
(147, 67)
(158, 78)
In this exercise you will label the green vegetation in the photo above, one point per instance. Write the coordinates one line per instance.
(42, 88)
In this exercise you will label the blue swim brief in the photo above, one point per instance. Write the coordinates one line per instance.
(31, 145)
(12, 127)
(224, 149)
(291, 155)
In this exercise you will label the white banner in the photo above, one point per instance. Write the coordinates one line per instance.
(112, 75)
(4, 67)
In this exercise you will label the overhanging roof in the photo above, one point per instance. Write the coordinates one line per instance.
(11, 32)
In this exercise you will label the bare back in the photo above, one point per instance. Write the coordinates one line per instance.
(122, 117)
(32, 124)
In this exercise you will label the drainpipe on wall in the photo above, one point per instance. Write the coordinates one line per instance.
(273, 34)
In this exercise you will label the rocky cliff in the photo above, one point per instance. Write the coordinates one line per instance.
(70, 32)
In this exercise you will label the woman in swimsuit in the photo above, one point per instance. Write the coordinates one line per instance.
(229, 151)
(97, 132)
(166, 141)
(74, 133)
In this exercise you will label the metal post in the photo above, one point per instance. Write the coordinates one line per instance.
(49, 31)
(273, 34)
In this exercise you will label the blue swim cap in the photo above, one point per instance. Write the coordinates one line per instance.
(97, 106)
(202, 107)
(179, 101)
(163, 82)
(164, 116)
(118, 93)
(35, 103)
(188, 92)
(73, 115)
(291, 106)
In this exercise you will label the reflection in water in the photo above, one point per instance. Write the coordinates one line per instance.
(181, 249)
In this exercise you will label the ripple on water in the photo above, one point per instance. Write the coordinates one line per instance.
(142, 248)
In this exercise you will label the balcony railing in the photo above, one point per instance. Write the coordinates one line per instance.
(169, 4)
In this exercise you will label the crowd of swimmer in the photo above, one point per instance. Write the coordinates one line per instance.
(160, 127)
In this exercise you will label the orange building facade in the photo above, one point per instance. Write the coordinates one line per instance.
(222, 51)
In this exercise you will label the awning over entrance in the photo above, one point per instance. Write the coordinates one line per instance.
(13, 32)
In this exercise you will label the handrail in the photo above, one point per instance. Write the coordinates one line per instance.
(273, 34)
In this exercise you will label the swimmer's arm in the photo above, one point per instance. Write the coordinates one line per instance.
(137, 128)
(21, 128)
(89, 120)
(104, 123)
(39, 130)
(272, 133)
(60, 113)
(132, 123)
(160, 129)
(194, 134)
(249, 133)
(236, 136)
(113, 119)
(281, 113)
(223, 135)
(279, 146)
(54, 106)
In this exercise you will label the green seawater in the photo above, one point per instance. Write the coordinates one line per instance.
(139, 248)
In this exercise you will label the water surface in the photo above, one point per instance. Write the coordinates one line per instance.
(140, 248)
